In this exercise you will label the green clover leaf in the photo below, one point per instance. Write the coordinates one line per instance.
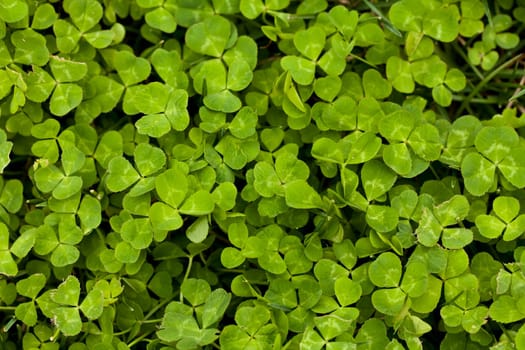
(252, 329)
(251, 9)
(8, 265)
(172, 195)
(389, 301)
(418, 46)
(209, 37)
(385, 270)
(85, 14)
(382, 218)
(64, 302)
(30, 47)
(161, 19)
(138, 232)
(13, 11)
(498, 148)
(223, 101)
(198, 203)
(106, 94)
(429, 72)
(67, 71)
(240, 74)
(345, 21)
(442, 95)
(175, 117)
(67, 35)
(281, 294)
(400, 130)
(244, 123)
(5, 149)
(435, 224)
(148, 159)
(52, 179)
(39, 85)
(300, 195)
(341, 114)
(301, 69)
(506, 220)
(44, 17)
(334, 324)
(266, 181)
(131, 69)
(93, 304)
(375, 86)
(328, 150)
(327, 88)
(442, 24)
(505, 309)
(347, 291)
(377, 179)
(149, 98)
(65, 98)
(310, 42)
(407, 16)
(415, 279)
(121, 174)
(237, 153)
(399, 74)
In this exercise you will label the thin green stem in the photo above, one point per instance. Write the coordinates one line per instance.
(157, 320)
(352, 56)
(186, 275)
(123, 332)
(7, 308)
(490, 100)
(139, 339)
(55, 336)
(383, 18)
(254, 292)
(289, 16)
(159, 306)
(434, 172)
(512, 73)
(461, 52)
(9, 324)
(486, 80)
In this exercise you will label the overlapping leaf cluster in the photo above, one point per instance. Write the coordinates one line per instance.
(261, 174)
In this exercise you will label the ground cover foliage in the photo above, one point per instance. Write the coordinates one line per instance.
(262, 174)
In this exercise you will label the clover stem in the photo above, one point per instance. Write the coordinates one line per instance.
(9, 324)
(157, 320)
(352, 56)
(256, 294)
(459, 51)
(203, 259)
(488, 13)
(383, 18)
(158, 306)
(488, 101)
(265, 19)
(139, 339)
(7, 308)
(399, 318)
(485, 81)
(504, 330)
(434, 172)
(54, 337)
(186, 275)
(517, 92)
(123, 332)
